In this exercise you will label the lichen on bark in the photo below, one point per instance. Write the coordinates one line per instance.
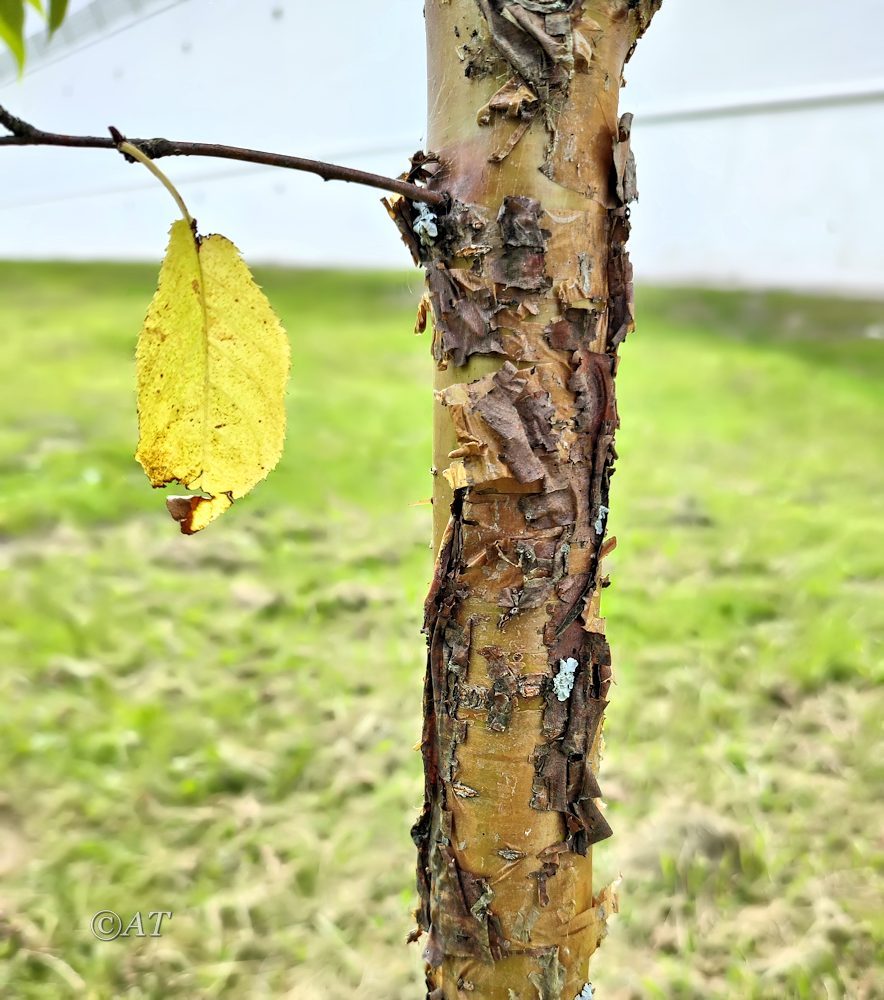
(530, 291)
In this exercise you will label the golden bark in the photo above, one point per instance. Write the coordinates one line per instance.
(530, 292)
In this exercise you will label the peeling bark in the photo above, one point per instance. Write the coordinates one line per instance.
(530, 291)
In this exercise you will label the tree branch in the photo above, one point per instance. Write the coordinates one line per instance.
(25, 134)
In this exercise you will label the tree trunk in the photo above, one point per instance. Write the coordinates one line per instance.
(530, 291)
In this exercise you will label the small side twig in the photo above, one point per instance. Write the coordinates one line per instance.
(22, 133)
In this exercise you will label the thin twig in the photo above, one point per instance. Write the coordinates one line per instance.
(25, 134)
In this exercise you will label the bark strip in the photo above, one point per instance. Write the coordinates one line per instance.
(530, 291)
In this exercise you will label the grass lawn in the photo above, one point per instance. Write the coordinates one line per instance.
(222, 726)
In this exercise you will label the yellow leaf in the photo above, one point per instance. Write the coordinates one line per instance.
(212, 365)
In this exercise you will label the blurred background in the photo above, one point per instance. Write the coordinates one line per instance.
(221, 726)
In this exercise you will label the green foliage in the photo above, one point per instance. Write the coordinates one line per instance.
(221, 725)
(12, 22)
(57, 11)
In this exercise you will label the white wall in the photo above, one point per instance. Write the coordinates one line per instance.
(784, 197)
(788, 198)
(225, 71)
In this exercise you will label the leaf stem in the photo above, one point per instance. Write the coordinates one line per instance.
(136, 154)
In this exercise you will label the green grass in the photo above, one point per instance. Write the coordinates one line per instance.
(221, 726)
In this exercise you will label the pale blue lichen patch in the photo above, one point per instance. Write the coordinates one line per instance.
(563, 682)
(601, 518)
(424, 224)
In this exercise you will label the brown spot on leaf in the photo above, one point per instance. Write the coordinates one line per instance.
(182, 510)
